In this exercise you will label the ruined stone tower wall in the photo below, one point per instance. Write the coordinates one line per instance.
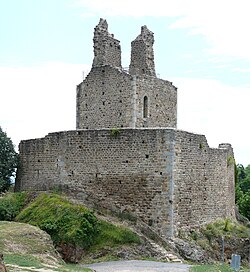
(110, 98)
(170, 179)
(161, 100)
(142, 54)
(104, 99)
(107, 49)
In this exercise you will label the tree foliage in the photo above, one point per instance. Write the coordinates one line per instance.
(8, 161)
(243, 190)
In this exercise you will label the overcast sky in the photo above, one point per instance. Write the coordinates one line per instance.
(203, 47)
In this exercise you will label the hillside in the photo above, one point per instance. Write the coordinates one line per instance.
(72, 233)
(76, 233)
(28, 248)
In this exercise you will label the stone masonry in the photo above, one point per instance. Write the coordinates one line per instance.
(126, 154)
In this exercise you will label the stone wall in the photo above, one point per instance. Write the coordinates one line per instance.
(122, 171)
(142, 54)
(104, 99)
(107, 49)
(161, 99)
(111, 98)
(168, 178)
(203, 181)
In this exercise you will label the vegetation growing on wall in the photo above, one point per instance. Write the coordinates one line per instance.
(115, 132)
(230, 161)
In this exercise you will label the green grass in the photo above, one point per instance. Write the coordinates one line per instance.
(214, 268)
(113, 236)
(25, 245)
(22, 260)
(65, 222)
(25, 262)
(74, 224)
(74, 268)
(18, 239)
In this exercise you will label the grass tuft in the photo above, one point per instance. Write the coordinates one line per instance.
(113, 236)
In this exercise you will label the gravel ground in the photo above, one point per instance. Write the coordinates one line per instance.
(136, 266)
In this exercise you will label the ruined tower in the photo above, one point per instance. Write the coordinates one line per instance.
(142, 54)
(107, 50)
(126, 155)
(110, 97)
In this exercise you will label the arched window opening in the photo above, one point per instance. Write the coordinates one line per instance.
(145, 107)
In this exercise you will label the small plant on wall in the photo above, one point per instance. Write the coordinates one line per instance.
(115, 132)
(230, 161)
(201, 146)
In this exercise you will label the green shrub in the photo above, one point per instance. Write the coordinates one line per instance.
(225, 228)
(11, 204)
(65, 222)
(194, 235)
(201, 145)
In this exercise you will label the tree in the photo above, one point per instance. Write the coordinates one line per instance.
(244, 204)
(242, 190)
(8, 161)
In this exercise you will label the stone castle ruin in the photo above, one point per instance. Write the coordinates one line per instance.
(126, 154)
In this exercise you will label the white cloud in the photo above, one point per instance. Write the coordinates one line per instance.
(38, 100)
(241, 70)
(216, 110)
(223, 23)
(129, 7)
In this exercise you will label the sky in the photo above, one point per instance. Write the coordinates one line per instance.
(46, 49)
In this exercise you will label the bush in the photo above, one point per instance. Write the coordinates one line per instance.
(65, 222)
(244, 204)
(11, 205)
(225, 228)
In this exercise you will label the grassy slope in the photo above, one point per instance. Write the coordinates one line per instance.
(73, 224)
(27, 245)
(27, 248)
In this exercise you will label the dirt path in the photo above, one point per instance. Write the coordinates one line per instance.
(136, 266)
